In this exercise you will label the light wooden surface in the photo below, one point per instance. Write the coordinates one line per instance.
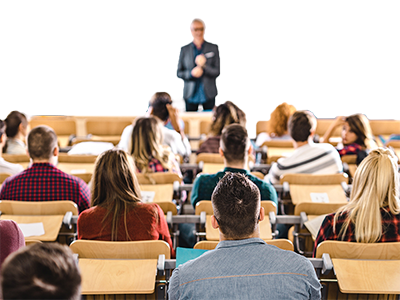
(279, 151)
(302, 193)
(212, 168)
(76, 168)
(14, 207)
(102, 276)
(213, 234)
(158, 178)
(368, 276)
(163, 192)
(308, 179)
(283, 244)
(51, 224)
(351, 250)
(314, 208)
(149, 249)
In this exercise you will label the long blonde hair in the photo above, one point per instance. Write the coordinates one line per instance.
(375, 187)
(147, 138)
(115, 187)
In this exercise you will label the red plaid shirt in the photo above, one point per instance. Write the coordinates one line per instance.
(390, 229)
(156, 166)
(350, 149)
(44, 182)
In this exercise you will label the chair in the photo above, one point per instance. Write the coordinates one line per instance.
(52, 214)
(283, 244)
(129, 268)
(162, 183)
(361, 269)
(22, 159)
(86, 177)
(210, 162)
(3, 176)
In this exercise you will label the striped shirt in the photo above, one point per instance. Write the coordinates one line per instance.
(313, 158)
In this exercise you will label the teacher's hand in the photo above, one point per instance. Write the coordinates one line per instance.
(197, 72)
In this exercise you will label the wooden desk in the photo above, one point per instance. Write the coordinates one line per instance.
(213, 234)
(118, 276)
(51, 224)
(301, 193)
(367, 276)
(275, 151)
(72, 168)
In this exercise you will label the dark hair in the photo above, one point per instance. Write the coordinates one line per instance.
(41, 271)
(234, 143)
(115, 187)
(159, 103)
(236, 204)
(41, 142)
(2, 127)
(225, 114)
(301, 123)
(13, 120)
(359, 124)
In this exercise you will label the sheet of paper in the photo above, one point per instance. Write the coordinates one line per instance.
(147, 196)
(319, 197)
(32, 229)
(314, 225)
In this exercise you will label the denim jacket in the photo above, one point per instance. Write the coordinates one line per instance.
(245, 269)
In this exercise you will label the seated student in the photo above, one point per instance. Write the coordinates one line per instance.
(117, 213)
(41, 271)
(160, 106)
(308, 157)
(224, 114)
(243, 266)
(43, 181)
(373, 212)
(147, 150)
(356, 134)
(11, 238)
(235, 148)
(17, 130)
(5, 166)
(277, 125)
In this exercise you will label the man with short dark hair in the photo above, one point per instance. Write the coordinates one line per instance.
(160, 106)
(243, 266)
(308, 157)
(43, 181)
(41, 271)
(235, 147)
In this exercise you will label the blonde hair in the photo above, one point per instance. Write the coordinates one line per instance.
(147, 138)
(115, 187)
(375, 187)
(278, 121)
(359, 124)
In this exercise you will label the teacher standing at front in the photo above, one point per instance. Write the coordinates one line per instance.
(199, 67)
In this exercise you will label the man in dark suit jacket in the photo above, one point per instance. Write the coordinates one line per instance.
(199, 67)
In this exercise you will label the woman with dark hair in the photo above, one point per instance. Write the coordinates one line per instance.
(117, 213)
(17, 129)
(5, 166)
(356, 134)
(224, 114)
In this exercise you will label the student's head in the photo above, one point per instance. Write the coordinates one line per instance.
(302, 125)
(356, 129)
(375, 186)
(278, 121)
(197, 27)
(159, 103)
(236, 204)
(42, 143)
(225, 114)
(115, 186)
(16, 122)
(2, 134)
(234, 143)
(41, 271)
(147, 138)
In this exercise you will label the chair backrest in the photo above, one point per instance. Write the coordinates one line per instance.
(86, 177)
(76, 158)
(215, 158)
(283, 244)
(150, 249)
(314, 179)
(4, 176)
(258, 174)
(384, 127)
(278, 144)
(108, 126)
(205, 126)
(16, 158)
(158, 178)
(13, 207)
(62, 125)
(314, 208)
(168, 206)
(261, 126)
(352, 250)
(205, 205)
